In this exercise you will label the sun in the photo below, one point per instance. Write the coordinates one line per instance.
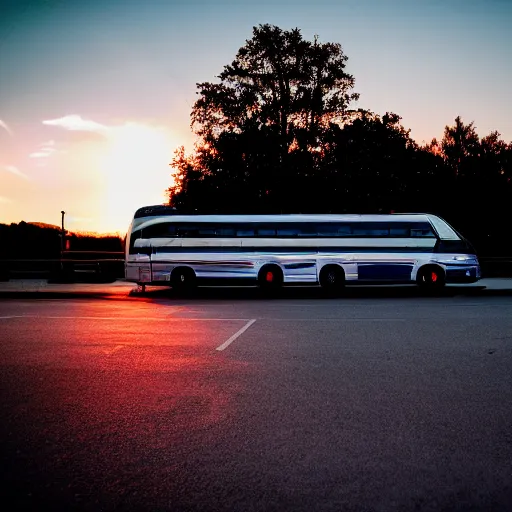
(135, 172)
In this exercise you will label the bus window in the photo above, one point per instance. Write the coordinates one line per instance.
(225, 230)
(344, 230)
(399, 230)
(286, 230)
(422, 229)
(307, 230)
(329, 230)
(371, 229)
(265, 230)
(161, 230)
(245, 230)
(187, 230)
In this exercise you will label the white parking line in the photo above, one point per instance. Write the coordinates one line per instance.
(112, 350)
(235, 336)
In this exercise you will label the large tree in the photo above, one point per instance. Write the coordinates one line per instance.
(273, 102)
(277, 79)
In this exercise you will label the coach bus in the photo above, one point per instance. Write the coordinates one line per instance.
(164, 247)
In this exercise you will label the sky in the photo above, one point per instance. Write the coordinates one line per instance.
(95, 96)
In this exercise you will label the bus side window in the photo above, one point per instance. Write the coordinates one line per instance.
(225, 230)
(263, 230)
(422, 230)
(288, 230)
(307, 230)
(162, 230)
(330, 229)
(185, 230)
(245, 230)
(345, 230)
(399, 230)
(371, 229)
(206, 230)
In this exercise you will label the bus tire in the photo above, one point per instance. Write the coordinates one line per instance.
(183, 279)
(332, 278)
(431, 277)
(270, 277)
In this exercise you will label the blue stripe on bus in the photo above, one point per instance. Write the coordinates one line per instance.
(384, 271)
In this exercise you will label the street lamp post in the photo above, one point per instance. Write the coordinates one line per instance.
(62, 242)
(63, 235)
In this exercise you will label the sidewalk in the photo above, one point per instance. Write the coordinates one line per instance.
(39, 288)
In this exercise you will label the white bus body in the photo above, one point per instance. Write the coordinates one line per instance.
(166, 248)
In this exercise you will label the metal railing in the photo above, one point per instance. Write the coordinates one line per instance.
(73, 265)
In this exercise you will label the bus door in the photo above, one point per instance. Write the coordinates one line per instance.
(143, 260)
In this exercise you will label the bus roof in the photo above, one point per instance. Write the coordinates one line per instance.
(157, 215)
(164, 211)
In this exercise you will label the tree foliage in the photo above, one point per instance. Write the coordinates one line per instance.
(280, 81)
(278, 133)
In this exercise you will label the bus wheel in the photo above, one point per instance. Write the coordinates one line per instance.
(332, 278)
(183, 279)
(270, 277)
(431, 277)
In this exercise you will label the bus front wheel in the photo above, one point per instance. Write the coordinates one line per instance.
(183, 278)
(431, 277)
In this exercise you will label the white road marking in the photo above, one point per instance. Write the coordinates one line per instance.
(235, 336)
(112, 350)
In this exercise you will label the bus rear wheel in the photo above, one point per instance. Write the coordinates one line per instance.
(183, 279)
(431, 277)
(332, 278)
(270, 277)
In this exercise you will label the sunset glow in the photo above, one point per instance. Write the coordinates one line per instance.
(135, 171)
(100, 176)
(95, 97)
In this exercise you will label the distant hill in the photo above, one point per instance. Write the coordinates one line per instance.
(38, 240)
(44, 225)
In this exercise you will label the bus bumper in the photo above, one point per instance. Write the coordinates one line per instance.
(465, 274)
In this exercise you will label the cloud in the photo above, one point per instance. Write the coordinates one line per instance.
(76, 123)
(45, 150)
(15, 171)
(5, 127)
(5, 200)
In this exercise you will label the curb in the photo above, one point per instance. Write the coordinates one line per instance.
(252, 292)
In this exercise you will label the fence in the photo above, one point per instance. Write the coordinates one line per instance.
(74, 266)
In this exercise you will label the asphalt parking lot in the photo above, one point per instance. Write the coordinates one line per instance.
(381, 400)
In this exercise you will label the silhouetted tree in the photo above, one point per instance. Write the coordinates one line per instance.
(276, 134)
(460, 145)
(281, 91)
